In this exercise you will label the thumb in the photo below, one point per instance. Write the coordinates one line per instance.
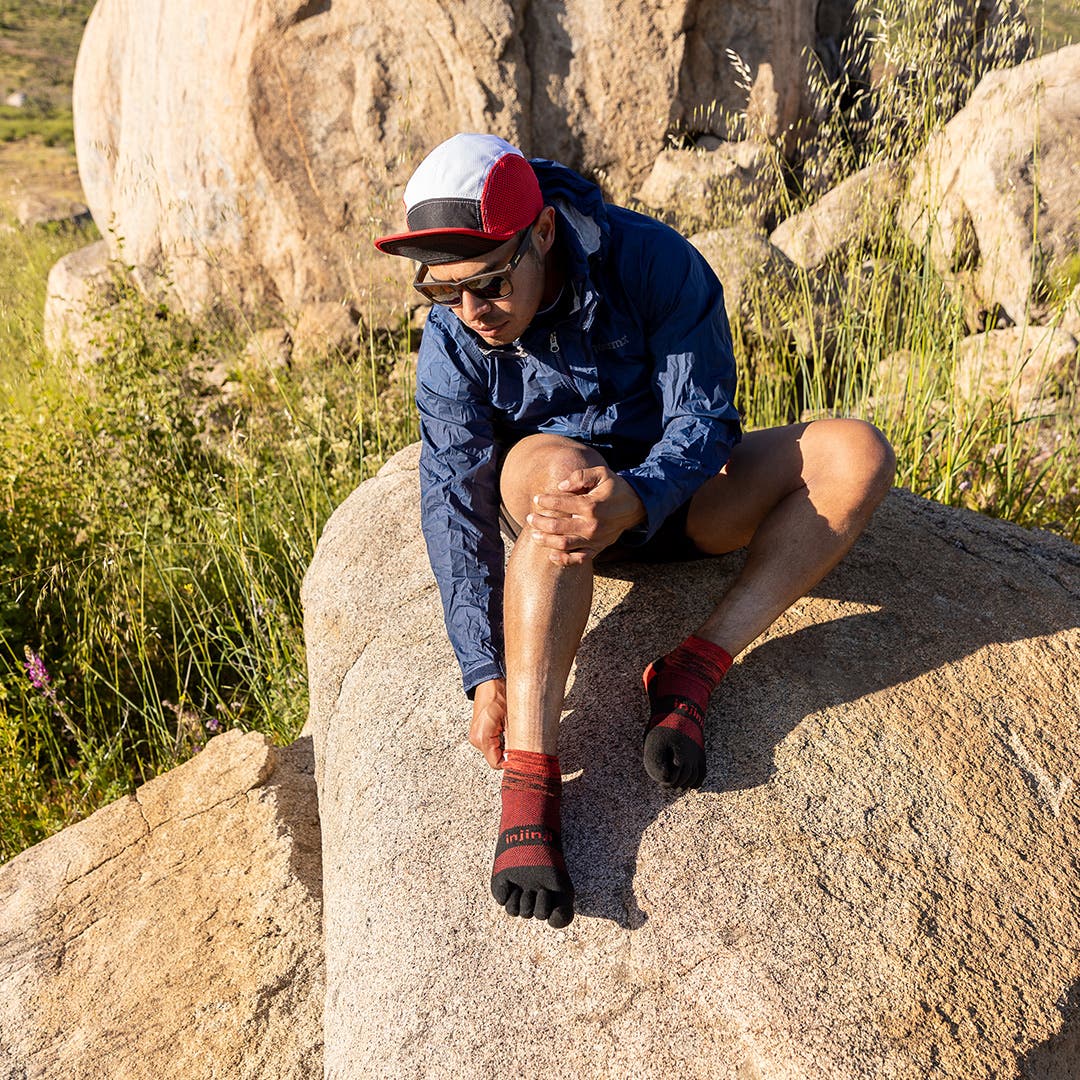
(582, 480)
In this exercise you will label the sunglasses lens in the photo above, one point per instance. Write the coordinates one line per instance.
(439, 294)
(489, 286)
(494, 285)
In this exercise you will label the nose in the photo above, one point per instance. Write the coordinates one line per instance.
(473, 306)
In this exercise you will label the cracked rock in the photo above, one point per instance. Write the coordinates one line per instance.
(175, 933)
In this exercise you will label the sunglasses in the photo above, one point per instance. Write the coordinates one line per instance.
(490, 285)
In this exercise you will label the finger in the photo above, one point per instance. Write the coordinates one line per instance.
(558, 541)
(583, 479)
(582, 527)
(493, 755)
(542, 523)
(570, 558)
(562, 505)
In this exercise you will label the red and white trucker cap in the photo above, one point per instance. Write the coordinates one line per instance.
(471, 194)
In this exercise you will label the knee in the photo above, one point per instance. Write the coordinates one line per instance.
(536, 465)
(857, 455)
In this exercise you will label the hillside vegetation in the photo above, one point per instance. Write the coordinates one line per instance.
(162, 504)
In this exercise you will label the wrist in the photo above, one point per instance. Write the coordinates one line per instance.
(634, 512)
(489, 690)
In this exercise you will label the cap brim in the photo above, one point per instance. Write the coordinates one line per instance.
(435, 246)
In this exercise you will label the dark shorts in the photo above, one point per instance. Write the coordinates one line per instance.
(668, 544)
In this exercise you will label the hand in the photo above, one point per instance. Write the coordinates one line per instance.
(489, 720)
(596, 507)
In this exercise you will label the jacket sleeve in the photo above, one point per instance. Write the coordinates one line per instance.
(694, 379)
(459, 499)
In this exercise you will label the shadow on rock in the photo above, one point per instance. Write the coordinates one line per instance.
(292, 784)
(919, 592)
(1059, 1057)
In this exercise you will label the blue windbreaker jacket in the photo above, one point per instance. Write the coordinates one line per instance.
(641, 368)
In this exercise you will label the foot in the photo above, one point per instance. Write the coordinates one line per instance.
(529, 876)
(679, 686)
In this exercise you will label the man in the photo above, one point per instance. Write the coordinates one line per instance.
(575, 383)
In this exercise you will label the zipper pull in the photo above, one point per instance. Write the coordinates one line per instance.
(554, 343)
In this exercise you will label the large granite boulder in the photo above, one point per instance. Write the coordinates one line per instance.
(1032, 366)
(173, 934)
(247, 153)
(879, 877)
(997, 192)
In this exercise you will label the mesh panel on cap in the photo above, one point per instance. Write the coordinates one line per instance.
(511, 199)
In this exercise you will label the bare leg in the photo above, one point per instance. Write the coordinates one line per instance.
(545, 608)
(799, 496)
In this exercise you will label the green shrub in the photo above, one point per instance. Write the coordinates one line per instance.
(157, 534)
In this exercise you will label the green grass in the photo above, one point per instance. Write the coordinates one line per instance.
(888, 352)
(39, 40)
(1055, 23)
(53, 128)
(157, 532)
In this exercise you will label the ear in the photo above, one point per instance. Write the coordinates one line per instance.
(544, 230)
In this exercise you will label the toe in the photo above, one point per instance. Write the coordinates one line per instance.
(513, 901)
(500, 889)
(545, 903)
(527, 903)
(562, 915)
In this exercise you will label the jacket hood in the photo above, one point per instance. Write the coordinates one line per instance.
(580, 201)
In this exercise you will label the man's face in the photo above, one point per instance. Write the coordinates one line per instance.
(499, 322)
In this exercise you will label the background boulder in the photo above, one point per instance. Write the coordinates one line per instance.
(1031, 365)
(997, 191)
(878, 879)
(80, 288)
(845, 214)
(175, 933)
(253, 160)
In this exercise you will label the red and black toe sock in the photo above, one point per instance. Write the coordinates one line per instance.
(529, 876)
(679, 686)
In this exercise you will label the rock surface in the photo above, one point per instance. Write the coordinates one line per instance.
(175, 933)
(749, 268)
(879, 878)
(693, 184)
(997, 190)
(257, 156)
(325, 331)
(79, 286)
(37, 209)
(839, 217)
(1028, 364)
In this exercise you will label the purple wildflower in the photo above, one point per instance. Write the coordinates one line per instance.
(37, 672)
(213, 724)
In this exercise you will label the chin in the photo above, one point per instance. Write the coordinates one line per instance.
(500, 335)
